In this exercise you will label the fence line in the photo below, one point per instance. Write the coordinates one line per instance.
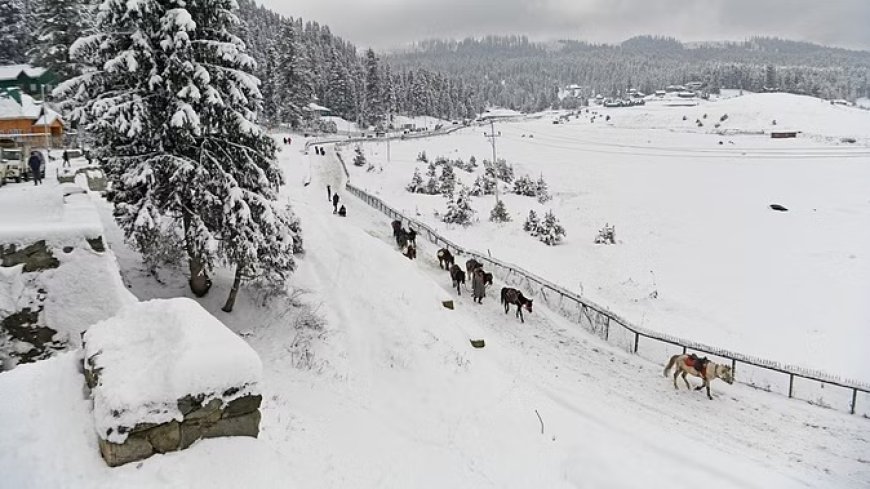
(613, 328)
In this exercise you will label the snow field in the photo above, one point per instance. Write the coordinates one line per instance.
(692, 223)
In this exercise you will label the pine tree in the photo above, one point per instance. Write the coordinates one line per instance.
(432, 185)
(13, 32)
(359, 159)
(171, 105)
(448, 180)
(374, 91)
(293, 82)
(416, 185)
(550, 231)
(499, 213)
(59, 24)
(524, 186)
(541, 191)
(532, 223)
(459, 210)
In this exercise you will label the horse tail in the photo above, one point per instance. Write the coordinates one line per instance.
(670, 365)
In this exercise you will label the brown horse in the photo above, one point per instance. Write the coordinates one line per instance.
(698, 367)
(471, 265)
(445, 259)
(458, 277)
(513, 296)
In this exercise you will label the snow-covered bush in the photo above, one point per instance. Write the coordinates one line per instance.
(447, 181)
(524, 186)
(459, 210)
(550, 231)
(499, 213)
(606, 235)
(416, 186)
(483, 185)
(359, 159)
(532, 223)
(541, 190)
(422, 157)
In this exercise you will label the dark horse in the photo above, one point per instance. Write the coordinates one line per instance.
(411, 251)
(513, 296)
(445, 259)
(471, 265)
(458, 277)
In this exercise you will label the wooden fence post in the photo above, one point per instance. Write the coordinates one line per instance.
(636, 338)
(854, 399)
(607, 329)
(790, 385)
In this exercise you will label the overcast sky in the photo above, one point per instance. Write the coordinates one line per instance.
(385, 24)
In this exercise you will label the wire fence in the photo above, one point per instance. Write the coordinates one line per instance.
(813, 386)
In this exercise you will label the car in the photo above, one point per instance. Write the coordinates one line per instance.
(14, 166)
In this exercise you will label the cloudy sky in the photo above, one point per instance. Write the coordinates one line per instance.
(385, 24)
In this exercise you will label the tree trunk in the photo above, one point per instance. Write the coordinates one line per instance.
(231, 299)
(199, 282)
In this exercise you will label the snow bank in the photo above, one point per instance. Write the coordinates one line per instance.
(11, 289)
(154, 353)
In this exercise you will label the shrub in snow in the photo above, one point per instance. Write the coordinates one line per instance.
(723, 118)
(606, 235)
(459, 210)
(472, 163)
(422, 157)
(524, 186)
(532, 223)
(172, 116)
(499, 213)
(483, 185)
(416, 186)
(359, 158)
(165, 373)
(550, 231)
(503, 171)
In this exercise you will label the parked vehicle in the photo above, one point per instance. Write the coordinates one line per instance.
(14, 165)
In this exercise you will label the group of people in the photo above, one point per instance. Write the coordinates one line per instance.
(287, 140)
(319, 151)
(333, 197)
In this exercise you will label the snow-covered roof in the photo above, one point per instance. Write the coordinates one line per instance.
(151, 354)
(29, 108)
(12, 72)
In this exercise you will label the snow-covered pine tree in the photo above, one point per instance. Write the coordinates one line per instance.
(59, 23)
(541, 190)
(503, 171)
(416, 186)
(524, 186)
(167, 94)
(421, 156)
(292, 79)
(550, 231)
(459, 210)
(374, 106)
(13, 48)
(432, 185)
(359, 159)
(472, 164)
(532, 223)
(499, 213)
(448, 179)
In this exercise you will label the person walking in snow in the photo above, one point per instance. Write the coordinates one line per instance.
(342, 211)
(335, 203)
(66, 159)
(35, 162)
(478, 285)
(328, 193)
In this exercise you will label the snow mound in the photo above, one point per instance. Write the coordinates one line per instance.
(59, 214)
(151, 354)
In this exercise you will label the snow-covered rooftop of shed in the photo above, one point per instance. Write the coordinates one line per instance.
(151, 354)
(11, 72)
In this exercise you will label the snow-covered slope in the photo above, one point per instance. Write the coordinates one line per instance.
(692, 218)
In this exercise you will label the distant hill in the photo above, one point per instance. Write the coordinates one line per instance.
(514, 72)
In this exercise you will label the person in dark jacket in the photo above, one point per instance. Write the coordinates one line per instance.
(65, 158)
(35, 162)
(342, 212)
(478, 285)
(328, 193)
(335, 203)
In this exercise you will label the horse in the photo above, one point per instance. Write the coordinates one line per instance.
(707, 370)
(445, 259)
(458, 277)
(410, 251)
(397, 227)
(401, 238)
(487, 278)
(412, 236)
(513, 296)
(471, 265)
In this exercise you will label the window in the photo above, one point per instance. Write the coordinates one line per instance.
(33, 87)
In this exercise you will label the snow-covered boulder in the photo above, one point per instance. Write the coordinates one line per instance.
(165, 373)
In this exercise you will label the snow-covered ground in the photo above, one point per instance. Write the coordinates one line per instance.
(390, 392)
(692, 218)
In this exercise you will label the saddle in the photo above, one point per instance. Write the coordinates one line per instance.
(698, 363)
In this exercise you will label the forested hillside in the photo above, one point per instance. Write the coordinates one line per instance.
(300, 60)
(514, 72)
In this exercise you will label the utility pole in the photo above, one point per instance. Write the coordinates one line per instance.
(492, 137)
(44, 117)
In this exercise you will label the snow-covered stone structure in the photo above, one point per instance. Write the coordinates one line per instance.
(165, 373)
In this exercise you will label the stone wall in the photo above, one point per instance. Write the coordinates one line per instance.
(239, 417)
